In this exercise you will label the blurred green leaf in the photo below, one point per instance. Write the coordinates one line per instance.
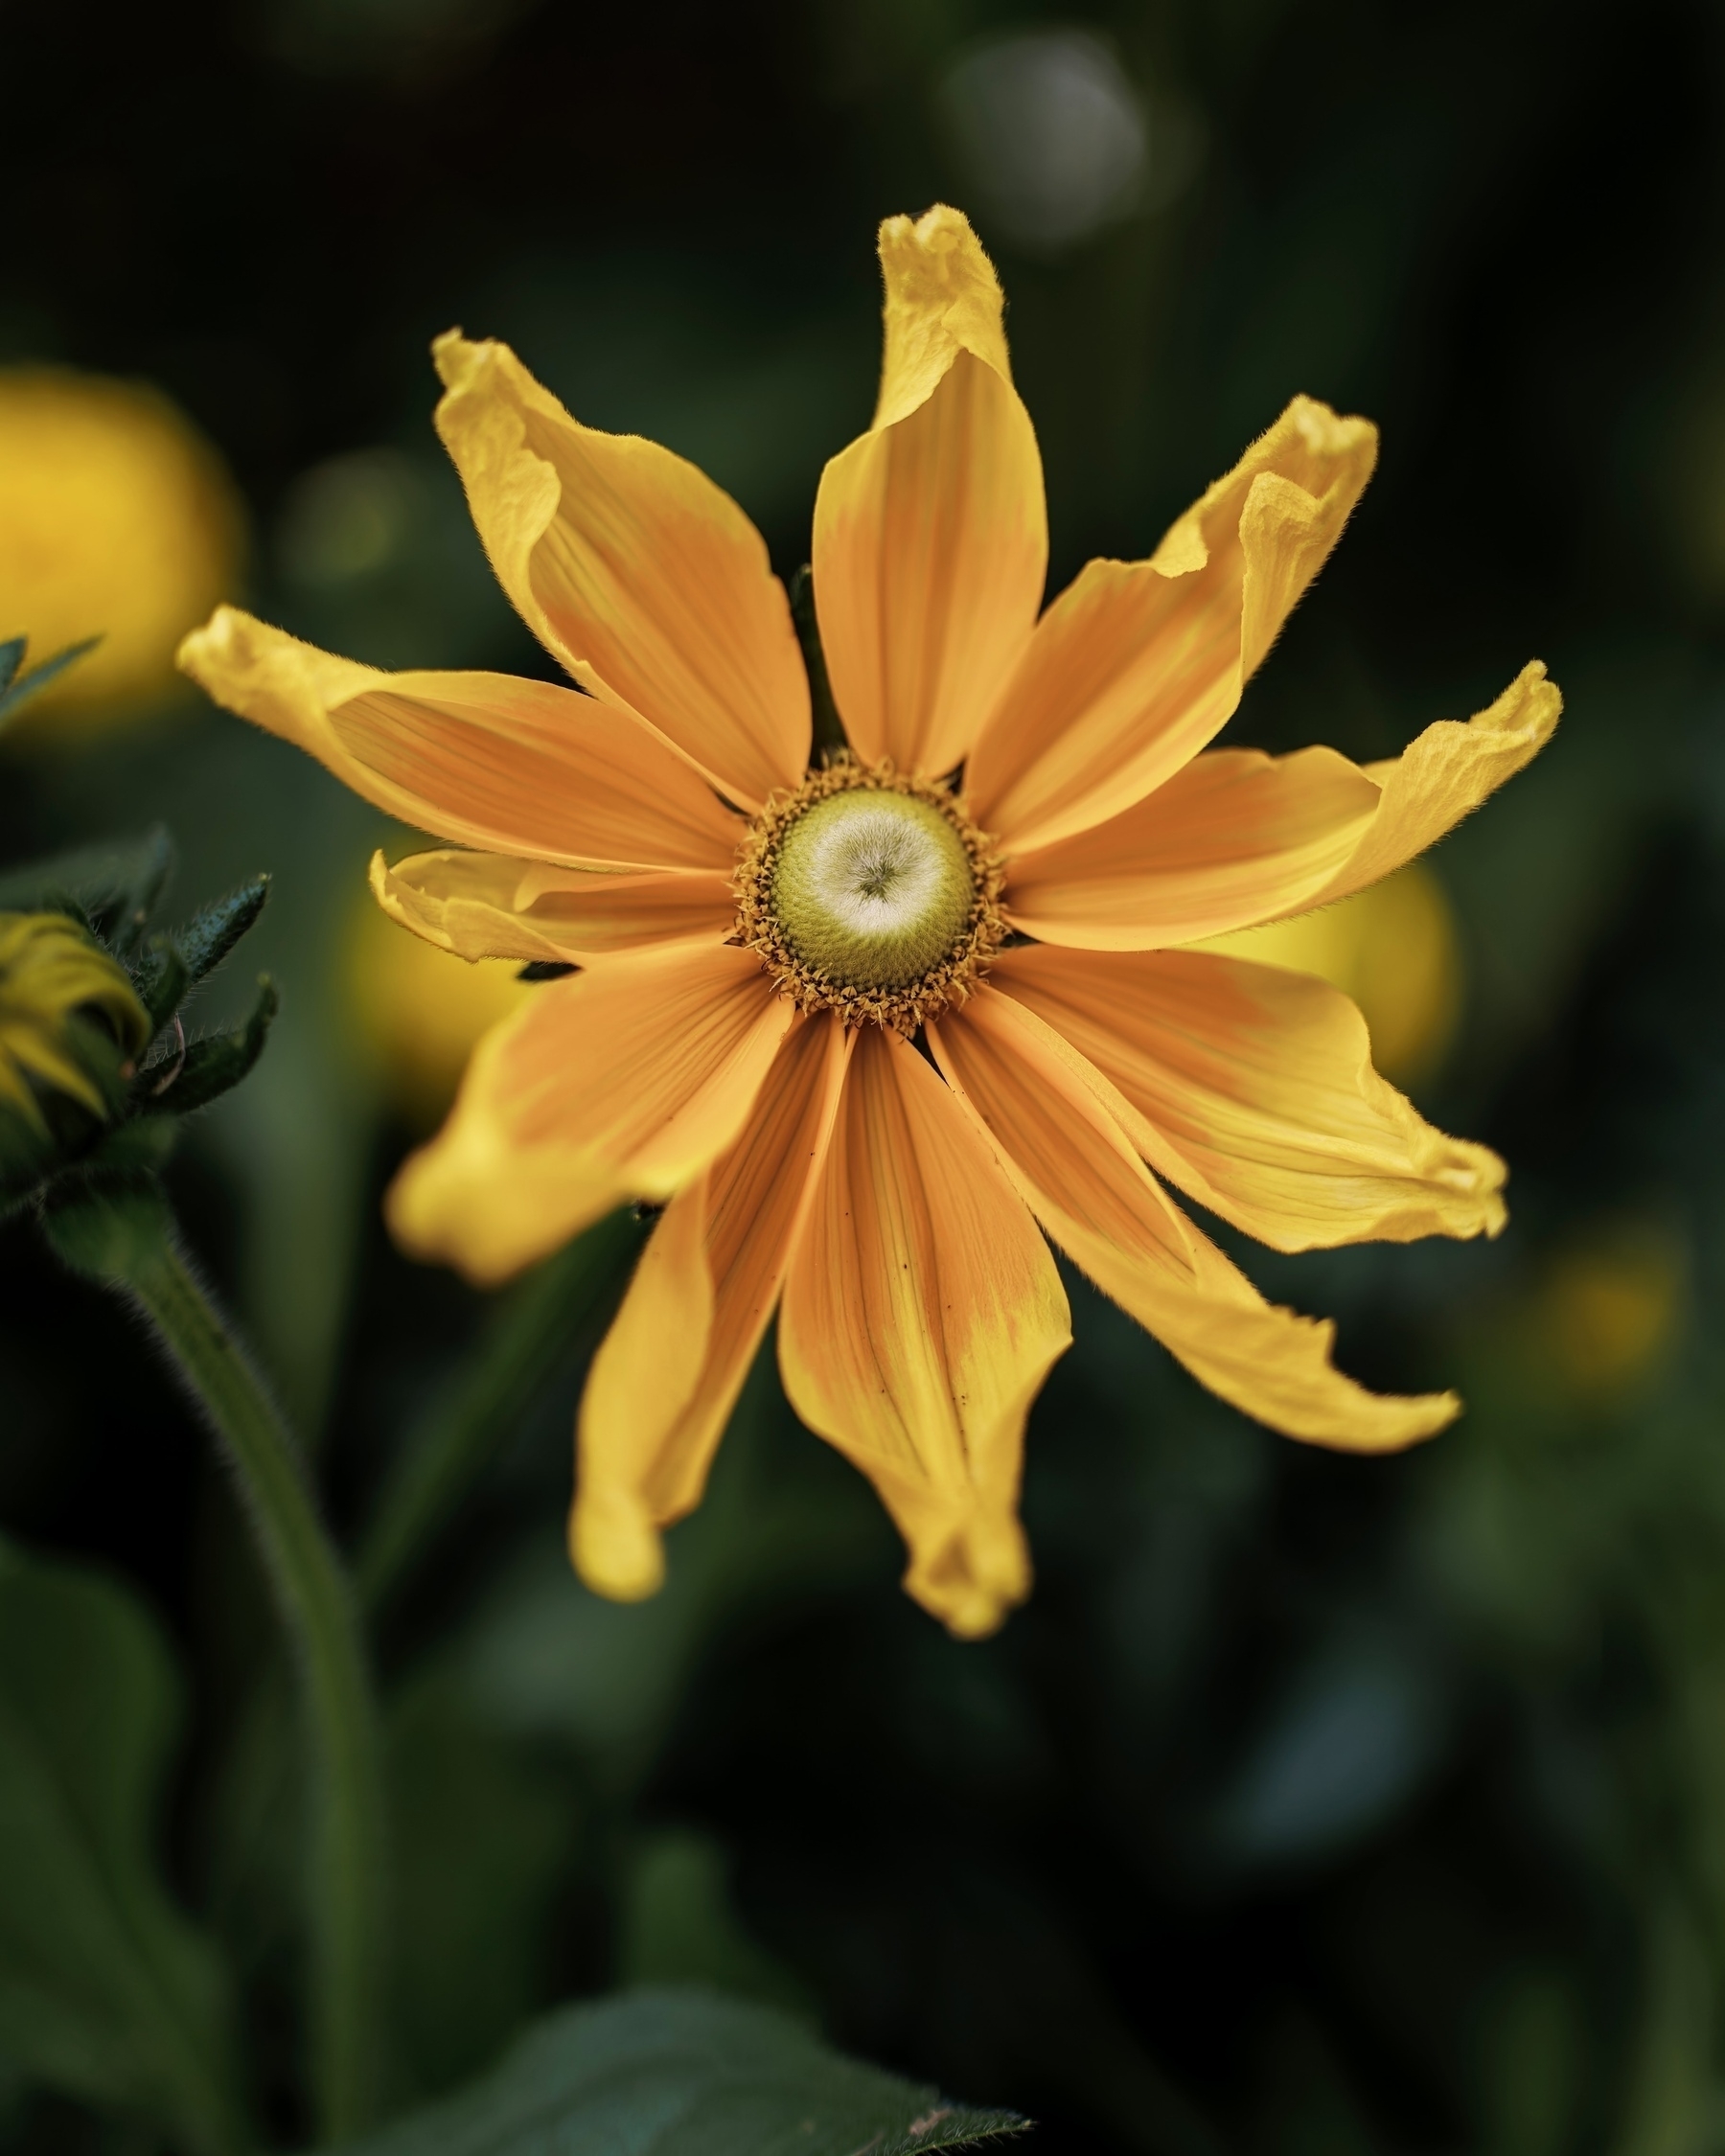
(108, 1993)
(679, 1925)
(531, 1333)
(112, 887)
(484, 1837)
(544, 1657)
(684, 2073)
(1672, 2107)
(17, 690)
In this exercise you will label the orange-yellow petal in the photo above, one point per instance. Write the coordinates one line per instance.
(931, 530)
(1138, 664)
(624, 1082)
(921, 1314)
(512, 765)
(1444, 775)
(1252, 1087)
(1236, 837)
(634, 569)
(495, 906)
(666, 1378)
(1079, 1175)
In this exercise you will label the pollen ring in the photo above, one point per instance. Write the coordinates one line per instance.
(869, 893)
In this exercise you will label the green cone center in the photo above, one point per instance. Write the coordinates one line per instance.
(872, 889)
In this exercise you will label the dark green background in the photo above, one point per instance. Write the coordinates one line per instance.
(1313, 1805)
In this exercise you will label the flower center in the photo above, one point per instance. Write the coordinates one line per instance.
(870, 894)
(872, 888)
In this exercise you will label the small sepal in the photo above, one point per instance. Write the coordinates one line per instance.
(162, 979)
(203, 1071)
(213, 932)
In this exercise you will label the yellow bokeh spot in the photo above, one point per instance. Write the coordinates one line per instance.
(417, 1011)
(1611, 1307)
(118, 521)
(1393, 949)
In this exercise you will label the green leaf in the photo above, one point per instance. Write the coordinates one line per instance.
(112, 887)
(17, 690)
(213, 932)
(684, 2073)
(212, 1066)
(108, 1993)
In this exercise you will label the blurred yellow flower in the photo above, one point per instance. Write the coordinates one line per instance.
(1611, 1308)
(118, 521)
(417, 1011)
(1393, 949)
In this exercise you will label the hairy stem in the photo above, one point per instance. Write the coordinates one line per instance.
(125, 1238)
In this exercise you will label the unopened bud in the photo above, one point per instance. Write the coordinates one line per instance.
(71, 1029)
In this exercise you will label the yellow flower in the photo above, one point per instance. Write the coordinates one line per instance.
(116, 520)
(69, 1018)
(759, 943)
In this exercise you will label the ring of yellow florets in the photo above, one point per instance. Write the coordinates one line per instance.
(869, 893)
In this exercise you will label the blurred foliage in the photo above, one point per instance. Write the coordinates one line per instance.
(105, 1990)
(1313, 1803)
(681, 2076)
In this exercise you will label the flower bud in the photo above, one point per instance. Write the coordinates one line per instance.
(71, 1029)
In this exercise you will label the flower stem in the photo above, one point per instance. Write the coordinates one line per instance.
(124, 1237)
(515, 1358)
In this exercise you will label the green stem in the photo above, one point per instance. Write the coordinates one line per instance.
(828, 727)
(518, 1355)
(124, 1237)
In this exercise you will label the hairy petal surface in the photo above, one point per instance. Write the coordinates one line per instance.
(620, 1083)
(1253, 1089)
(634, 569)
(921, 1314)
(1079, 1175)
(489, 760)
(496, 906)
(666, 1378)
(931, 530)
(1138, 664)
